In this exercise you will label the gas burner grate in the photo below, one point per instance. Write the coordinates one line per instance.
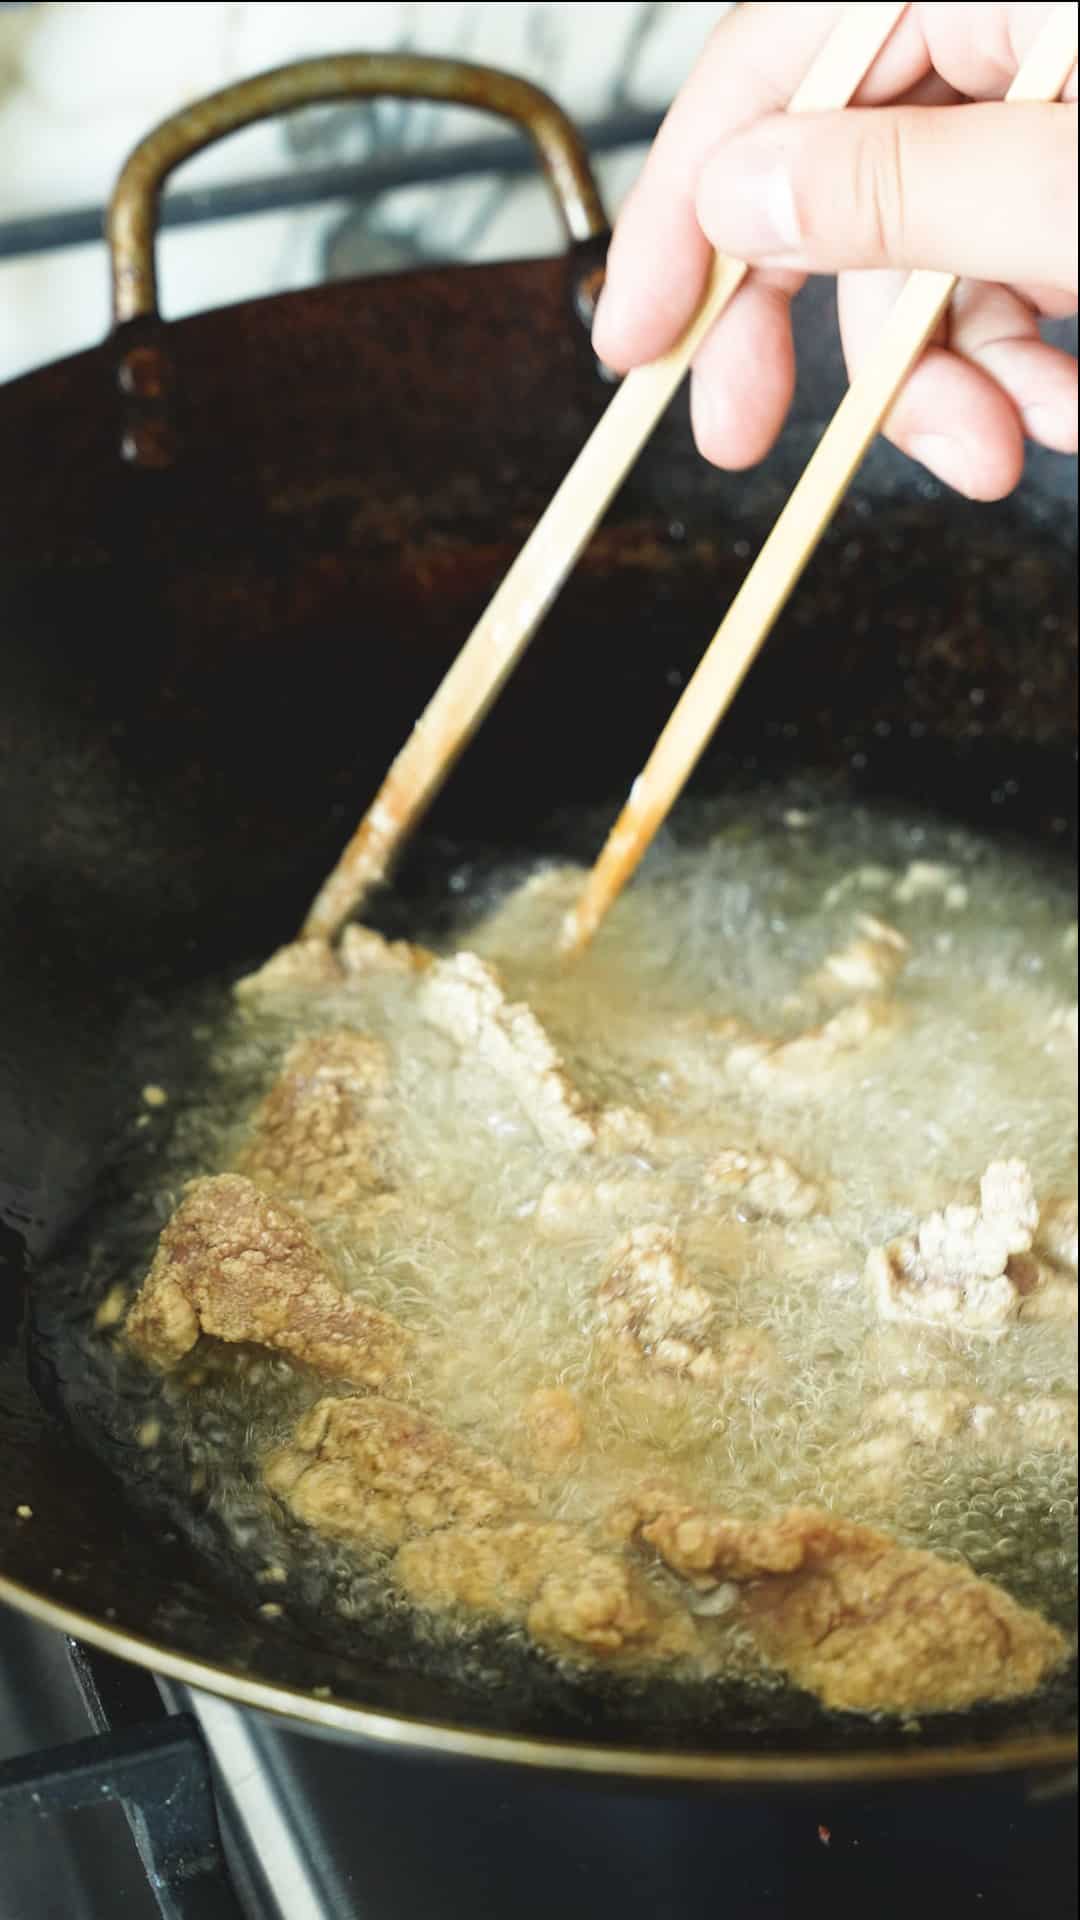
(160, 1775)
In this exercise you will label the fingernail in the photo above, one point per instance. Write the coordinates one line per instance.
(607, 317)
(710, 417)
(945, 457)
(747, 207)
(598, 310)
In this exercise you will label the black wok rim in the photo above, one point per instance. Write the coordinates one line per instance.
(1044, 1753)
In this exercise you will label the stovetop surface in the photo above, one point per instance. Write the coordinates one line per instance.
(307, 1829)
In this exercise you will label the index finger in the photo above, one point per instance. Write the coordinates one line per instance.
(659, 258)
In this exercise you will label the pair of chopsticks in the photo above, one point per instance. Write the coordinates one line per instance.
(503, 632)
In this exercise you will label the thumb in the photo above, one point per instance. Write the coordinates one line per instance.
(987, 192)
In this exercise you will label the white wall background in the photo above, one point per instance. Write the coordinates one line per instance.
(81, 83)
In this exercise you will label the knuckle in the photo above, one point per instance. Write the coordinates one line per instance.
(878, 189)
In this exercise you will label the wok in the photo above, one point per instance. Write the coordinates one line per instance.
(236, 554)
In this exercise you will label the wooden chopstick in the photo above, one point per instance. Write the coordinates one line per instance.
(793, 539)
(503, 632)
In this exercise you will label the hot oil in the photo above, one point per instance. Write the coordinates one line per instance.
(727, 924)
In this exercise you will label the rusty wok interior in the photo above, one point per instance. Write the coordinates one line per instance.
(237, 552)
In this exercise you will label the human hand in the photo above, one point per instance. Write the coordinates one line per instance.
(989, 193)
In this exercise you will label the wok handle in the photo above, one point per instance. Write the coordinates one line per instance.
(131, 226)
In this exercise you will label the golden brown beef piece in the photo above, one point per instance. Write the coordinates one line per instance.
(579, 1209)
(758, 1182)
(853, 1617)
(465, 999)
(241, 1267)
(654, 1307)
(870, 963)
(315, 1138)
(636, 1509)
(1047, 1291)
(307, 966)
(971, 1267)
(791, 1069)
(569, 1595)
(706, 1547)
(313, 966)
(377, 1475)
(373, 1473)
(658, 1317)
(626, 1130)
(363, 952)
(554, 1430)
(764, 1183)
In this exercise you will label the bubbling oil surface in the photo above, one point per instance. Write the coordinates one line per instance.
(728, 923)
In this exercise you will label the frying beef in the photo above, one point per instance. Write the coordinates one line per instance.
(871, 963)
(373, 1473)
(969, 1267)
(315, 1139)
(659, 1317)
(765, 1183)
(791, 1069)
(553, 1428)
(464, 997)
(312, 966)
(238, 1266)
(855, 1618)
(568, 1594)
(377, 1475)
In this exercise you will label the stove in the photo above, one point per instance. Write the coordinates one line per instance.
(122, 1795)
